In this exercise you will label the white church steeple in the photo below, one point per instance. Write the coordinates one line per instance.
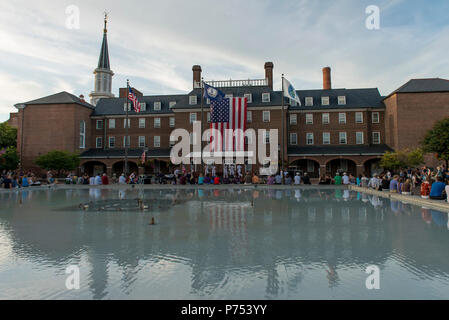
(103, 73)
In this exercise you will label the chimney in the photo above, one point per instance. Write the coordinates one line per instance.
(82, 98)
(327, 78)
(269, 73)
(196, 76)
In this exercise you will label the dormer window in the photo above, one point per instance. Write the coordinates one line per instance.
(193, 100)
(157, 106)
(172, 104)
(265, 97)
(309, 101)
(324, 101)
(249, 97)
(341, 100)
(127, 104)
(143, 106)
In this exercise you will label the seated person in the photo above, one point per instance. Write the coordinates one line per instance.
(256, 179)
(306, 178)
(201, 179)
(216, 180)
(271, 180)
(437, 190)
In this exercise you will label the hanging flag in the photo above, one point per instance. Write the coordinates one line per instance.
(212, 93)
(133, 98)
(290, 92)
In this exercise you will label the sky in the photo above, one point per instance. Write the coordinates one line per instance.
(154, 44)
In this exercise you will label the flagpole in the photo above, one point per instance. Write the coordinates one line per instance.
(126, 130)
(282, 125)
(202, 119)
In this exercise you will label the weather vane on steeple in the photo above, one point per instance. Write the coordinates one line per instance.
(105, 21)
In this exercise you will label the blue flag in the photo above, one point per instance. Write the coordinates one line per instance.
(212, 93)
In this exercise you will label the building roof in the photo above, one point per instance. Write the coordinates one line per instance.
(59, 98)
(423, 85)
(338, 150)
(120, 153)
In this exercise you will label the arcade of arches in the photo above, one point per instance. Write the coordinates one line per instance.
(116, 166)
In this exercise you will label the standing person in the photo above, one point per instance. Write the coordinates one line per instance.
(279, 178)
(92, 180)
(239, 170)
(214, 171)
(114, 178)
(122, 179)
(225, 171)
(105, 179)
(7, 182)
(247, 178)
(337, 179)
(297, 179)
(345, 178)
(306, 178)
(97, 179)
(364, 181)
(50, 179)
(288, 180)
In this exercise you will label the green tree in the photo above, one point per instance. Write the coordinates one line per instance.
(393, 161)
(58, 160)
(8, 136)
(9, 159)
(437, 140)
(415, 157)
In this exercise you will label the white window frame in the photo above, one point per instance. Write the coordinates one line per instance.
(340, 135)
(249, 97)
(126, 139)
(157, 122)
(142, 123)
(378, 134)
(373, 118)
(249, 116)
(342, 118)
(264, 118)
(325, 116)
(98, 124)
(112, 121)
(171, 104)
(157, 141)
(157, 106)
(124, 123)
(82, 134)
(143, 106)
(193, 100)
(293, 118)
(309, 118)
(325, 101)
(341, 100)
(111, 138)
(328, 140)
(191, 116)
(98, 139)
(309, 101)
(172, 122)
(266, 97)
(359, 117)
(357, 135)
(127, 104)
(293, 138)
(267, 137)
(309, 136)
(142, 145)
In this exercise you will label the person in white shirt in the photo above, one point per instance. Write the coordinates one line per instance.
(92, 181)
(214, 171)
(297, 179)
(345, 178)
(239, 170)
(122, 179)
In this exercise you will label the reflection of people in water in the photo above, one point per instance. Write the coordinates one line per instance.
(426, 216)
(332, 276)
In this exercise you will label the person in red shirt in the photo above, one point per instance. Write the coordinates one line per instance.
(104, 179)
(216, 180)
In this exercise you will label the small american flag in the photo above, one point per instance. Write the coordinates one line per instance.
(228, 114)
(133, 98)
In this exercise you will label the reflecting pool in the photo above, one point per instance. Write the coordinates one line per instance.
(235, 243)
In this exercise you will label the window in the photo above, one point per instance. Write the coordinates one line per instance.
(111, 123)
(293, 138)
(207, 101)
(325, 118)
(375, 117)
(341, 100)
(343, 139)
(309, 118)
(143, 106)
(208, 117)
(342, 118)
(229, 96)
(129, 123)
(172, 141)
(157, 141)
(324, 101)
(126, 141)
(82, 134)
(172, 122)
(141, 123)
(249, 97)
(376, 137)
(157, 106)
(293, 119)
(111, 142)
(266, 116)
(99, 142)
(267, 137)
(157, 122)
(141, 141)
(99, 124)
(127, 104)
(249, 116)
(171, 104)
(192, 117)
(309, 101)
(326, 138)
(309, 138)
(359, 137)
(193, 100)
(359, 117)
(265, 97)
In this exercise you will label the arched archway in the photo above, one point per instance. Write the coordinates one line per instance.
(119, 167)
(156, 166)
(341, 165)
(372, 166)
(310, 166)
(93, 168)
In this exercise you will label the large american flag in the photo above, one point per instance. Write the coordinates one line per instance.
(133, 98)
(228, 113)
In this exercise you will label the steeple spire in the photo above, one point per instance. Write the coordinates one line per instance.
(103, 61)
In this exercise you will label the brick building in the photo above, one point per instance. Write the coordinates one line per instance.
(332, 129)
